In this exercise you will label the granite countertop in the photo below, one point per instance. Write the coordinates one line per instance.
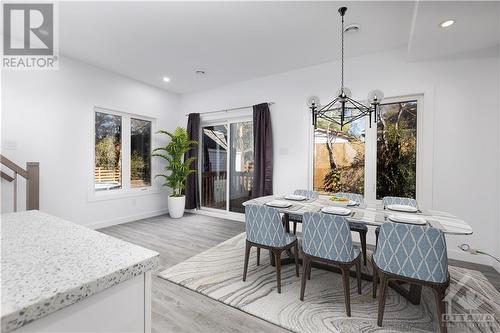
(48, 263)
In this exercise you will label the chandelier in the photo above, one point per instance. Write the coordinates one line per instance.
(343, 109)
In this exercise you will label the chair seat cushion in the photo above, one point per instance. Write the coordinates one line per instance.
(355, 226)
(295, 217)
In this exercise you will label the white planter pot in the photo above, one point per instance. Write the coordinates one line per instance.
(176, 206)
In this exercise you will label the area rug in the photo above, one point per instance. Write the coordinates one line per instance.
(473, 303)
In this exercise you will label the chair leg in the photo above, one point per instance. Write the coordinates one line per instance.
(258, 256)
(303, 280)
(296, 255)
(247, 255)
(358, 274)
(383, 294)
(362, 238)
(309, 269)
(375, 280)
(294, 227)
(439, 294)
(347, 294)
(271, 258)
(277, 255)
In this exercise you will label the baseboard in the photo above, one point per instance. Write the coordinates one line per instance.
(126, 219)
(228, 216)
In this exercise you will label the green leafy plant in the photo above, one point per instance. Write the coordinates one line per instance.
(177, 169)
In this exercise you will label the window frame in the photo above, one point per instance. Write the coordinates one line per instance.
(126, 190)
(371, 151)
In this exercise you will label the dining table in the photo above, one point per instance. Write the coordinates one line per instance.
(370, 214)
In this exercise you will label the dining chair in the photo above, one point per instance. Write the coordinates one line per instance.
(264, 229)
(295, 218)
(327, 239)
(386, 201)
(414, 254)
(360, 228)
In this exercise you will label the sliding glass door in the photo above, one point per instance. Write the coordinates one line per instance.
(214, 166)
(241, 165)
(227, 164)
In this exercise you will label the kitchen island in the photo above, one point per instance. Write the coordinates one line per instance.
(59, 276)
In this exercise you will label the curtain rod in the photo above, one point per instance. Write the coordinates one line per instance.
(227, 110)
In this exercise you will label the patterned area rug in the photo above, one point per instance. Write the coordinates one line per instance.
(217, 273)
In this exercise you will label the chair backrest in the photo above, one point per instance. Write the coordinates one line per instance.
(263, 225)
(358, 198)
(399, 201)
(307, 193)
(412, 251)
(327, 236)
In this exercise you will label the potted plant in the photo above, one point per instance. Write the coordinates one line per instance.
(177, 169)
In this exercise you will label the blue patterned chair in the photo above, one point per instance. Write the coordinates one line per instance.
(327, 239)
(264, 229)
(295, 218)
(399, 201)
(386, 201)
(414, 254)
(360, 228)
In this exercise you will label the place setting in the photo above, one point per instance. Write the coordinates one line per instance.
(404, 214)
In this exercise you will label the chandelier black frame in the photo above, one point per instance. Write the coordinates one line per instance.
(343, 109)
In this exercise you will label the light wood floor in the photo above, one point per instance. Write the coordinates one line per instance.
(177, 309)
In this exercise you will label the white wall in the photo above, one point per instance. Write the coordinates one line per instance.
(461, 106)
(49, 116)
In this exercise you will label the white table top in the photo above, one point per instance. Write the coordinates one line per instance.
(373, 215)
(49, 263)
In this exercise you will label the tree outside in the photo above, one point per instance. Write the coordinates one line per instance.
(397, 150)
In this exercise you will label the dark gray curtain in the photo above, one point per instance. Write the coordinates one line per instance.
(192, 187)
(263, 151)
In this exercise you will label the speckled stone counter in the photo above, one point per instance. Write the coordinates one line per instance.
(48, 263)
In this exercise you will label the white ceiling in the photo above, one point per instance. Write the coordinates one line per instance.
(235, 41)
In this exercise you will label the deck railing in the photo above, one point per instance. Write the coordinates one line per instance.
(214, 187)
(32, 176)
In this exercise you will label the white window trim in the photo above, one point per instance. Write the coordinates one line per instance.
(425, 150)
(223, 118)
(126, 190)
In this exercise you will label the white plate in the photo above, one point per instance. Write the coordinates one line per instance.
(295, 197)
(402, 208)
(336, 210)
(410, 219)
(352, 203)
(278, 204)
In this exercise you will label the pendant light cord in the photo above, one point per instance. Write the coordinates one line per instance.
(342, 58)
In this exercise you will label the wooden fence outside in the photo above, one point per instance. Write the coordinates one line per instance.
(103, 175)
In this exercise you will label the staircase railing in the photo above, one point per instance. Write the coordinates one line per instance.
(32, 176)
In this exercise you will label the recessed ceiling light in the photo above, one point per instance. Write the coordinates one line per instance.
(447, 23)
(200, 72)
(166, 79)
(352, 28)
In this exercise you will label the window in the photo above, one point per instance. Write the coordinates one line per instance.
(108, 150)
(339, 157)
(397, 150)
(226, 164)
(122, 152)
(140, 153)
(377, 161)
